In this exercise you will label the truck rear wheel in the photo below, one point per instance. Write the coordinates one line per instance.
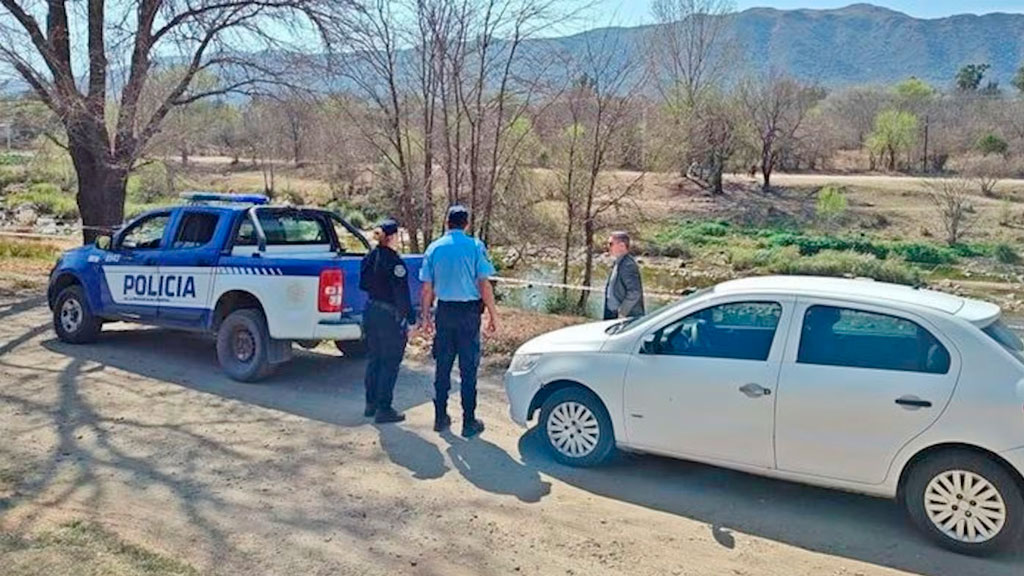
(243, 342)
(351, 348)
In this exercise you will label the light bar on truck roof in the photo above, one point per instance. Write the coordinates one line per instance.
(200, 197)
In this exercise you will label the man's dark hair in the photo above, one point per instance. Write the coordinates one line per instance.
(458, 217)
(621, 236)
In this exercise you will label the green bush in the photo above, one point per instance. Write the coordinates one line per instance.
(8, 159)
(47, 199)
(149, 182)
(51, 164)
(357, 219)
(811, 245)
(992, 144)
(833, 263)
(1006, 254)
(560, 302)
(702, 233)
(831, 204)
(923, 253)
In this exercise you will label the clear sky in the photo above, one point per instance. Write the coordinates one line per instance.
(633, 12)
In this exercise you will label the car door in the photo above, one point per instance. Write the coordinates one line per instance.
(188, 265)
(858, 383)
(701, 385)
(131, 269)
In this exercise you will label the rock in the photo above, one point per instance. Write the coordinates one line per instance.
(47, 225)
(25, 215)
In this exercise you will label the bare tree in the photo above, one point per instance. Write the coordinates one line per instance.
(226, 38)
(952, 200)
(776, 107)
(687, 54)
(599, 107)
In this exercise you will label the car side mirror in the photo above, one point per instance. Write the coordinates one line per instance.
(103, 242)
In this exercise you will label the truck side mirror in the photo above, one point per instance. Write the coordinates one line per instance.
(102, 242)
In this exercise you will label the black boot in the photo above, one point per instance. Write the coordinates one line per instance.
(472, 427)
(387, 416)
(441, 419)
(369, 411)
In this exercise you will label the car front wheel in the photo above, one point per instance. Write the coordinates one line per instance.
(966, 502)
(73, 321)
(576, 427)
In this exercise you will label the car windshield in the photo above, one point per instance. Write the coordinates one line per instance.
(628, 323)
(1006, 337)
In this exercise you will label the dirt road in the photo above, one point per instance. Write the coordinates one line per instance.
(142, 434)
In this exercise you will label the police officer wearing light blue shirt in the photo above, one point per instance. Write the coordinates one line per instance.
(457, 271)
(384, 277)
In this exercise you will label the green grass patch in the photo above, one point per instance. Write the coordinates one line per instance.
(28, 250)
(84, 548)
(47, 199)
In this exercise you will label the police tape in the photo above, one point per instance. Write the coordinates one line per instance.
(579, 288)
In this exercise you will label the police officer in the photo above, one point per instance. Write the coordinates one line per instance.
(457, 271)
(384, 277)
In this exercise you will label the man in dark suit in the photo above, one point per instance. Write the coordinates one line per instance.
(624, 292)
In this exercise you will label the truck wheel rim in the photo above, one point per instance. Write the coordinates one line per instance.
(965, 506)
(71, 315)
(243, 345)
(573, 429)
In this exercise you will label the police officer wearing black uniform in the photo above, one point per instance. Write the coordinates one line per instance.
(386, 321)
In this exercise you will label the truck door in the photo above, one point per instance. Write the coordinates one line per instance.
(187, 266)
(131, 269)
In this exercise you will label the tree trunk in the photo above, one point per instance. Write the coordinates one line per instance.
(184, 154)
(565, 256)
(588, 265)
(102, 179)
(715, 181)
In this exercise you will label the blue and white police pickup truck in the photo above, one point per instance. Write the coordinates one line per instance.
(259, 277)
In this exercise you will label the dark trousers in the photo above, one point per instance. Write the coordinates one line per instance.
(458, 335)
(386, 338)
(610, 314)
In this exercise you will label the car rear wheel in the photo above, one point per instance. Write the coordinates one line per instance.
(576, 427)
(73, 322)
(243, 345)
(965, 501)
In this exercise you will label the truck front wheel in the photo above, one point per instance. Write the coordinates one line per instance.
(243, 342)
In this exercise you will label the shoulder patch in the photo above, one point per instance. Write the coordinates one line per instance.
(400, 270)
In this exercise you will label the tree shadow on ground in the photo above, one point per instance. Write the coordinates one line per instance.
(861, 528)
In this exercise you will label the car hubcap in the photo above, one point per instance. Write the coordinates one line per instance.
(573, 429)
(965, 506)
(243, 345)
(71, 315)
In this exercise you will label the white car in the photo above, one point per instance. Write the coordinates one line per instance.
(856, 385)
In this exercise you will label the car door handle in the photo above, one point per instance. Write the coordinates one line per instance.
(913, 402)
(755, 390)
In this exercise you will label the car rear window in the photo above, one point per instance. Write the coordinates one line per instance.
(285, 228)
(1006, 338)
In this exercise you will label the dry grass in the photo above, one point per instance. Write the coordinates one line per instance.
(78, 549)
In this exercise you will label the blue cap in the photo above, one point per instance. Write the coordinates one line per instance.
(389, 226)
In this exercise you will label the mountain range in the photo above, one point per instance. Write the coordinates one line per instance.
(860, 44)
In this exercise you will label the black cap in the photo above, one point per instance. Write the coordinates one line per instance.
(458, 216)
(388, 226)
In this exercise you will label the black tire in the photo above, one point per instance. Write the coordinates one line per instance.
(243, 343)
(561, 412)
(351, 348)
(916, 490)
(73, 321)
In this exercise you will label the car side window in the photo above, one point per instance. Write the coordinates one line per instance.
(146, 234)
(833, 336)
(196, 230)
(737, 331)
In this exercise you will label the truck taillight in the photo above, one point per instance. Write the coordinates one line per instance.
(331, 289)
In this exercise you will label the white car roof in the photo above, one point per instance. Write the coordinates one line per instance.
(974, 311)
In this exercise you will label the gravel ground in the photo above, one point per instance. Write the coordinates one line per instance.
(141, 434)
